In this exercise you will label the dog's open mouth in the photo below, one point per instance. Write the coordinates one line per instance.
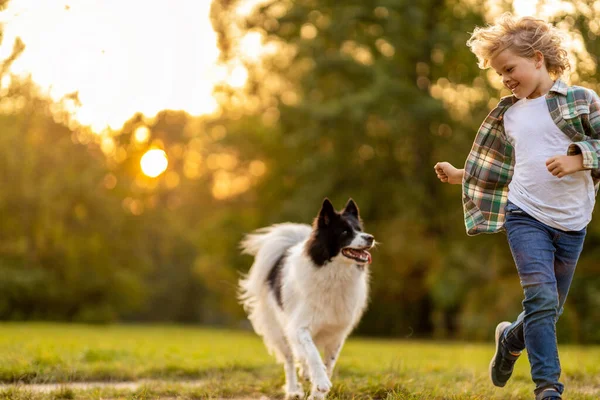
(358, 255)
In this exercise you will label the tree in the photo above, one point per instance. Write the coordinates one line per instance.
(357, 119)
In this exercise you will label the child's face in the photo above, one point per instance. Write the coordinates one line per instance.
(524, 77)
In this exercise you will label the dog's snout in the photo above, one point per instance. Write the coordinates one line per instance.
(368, 238)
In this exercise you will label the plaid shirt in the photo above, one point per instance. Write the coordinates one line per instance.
(490, 164)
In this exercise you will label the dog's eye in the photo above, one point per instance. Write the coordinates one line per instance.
(346, 232)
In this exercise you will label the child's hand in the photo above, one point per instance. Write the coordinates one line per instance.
(447, 173)
(560, 166)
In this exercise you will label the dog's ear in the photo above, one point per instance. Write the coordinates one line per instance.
(326, 213)
(351, 208)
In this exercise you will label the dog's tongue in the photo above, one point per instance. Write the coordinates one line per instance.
(361, 256)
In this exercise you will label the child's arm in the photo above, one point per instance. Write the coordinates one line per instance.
(446, 172)
(583, 155)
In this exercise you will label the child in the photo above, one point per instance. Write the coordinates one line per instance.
(533, 172)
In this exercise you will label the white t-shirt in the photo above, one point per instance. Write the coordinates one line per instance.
(564, 203)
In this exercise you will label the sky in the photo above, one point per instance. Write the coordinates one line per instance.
(123, 56)
(127, 56)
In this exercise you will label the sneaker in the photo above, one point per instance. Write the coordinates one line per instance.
(551, 394)
(501, 366)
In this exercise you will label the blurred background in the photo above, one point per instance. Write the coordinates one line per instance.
(139, 141)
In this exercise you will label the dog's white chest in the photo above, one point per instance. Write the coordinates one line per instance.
(335, 297)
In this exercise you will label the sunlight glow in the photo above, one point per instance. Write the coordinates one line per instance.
(124, 57)
(238, 77)
(246, 7)
(142, 134)
(154, 162)
(121, 56)
(542, 9)
(525, 7)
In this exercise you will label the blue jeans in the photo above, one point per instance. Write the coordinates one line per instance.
(545, 258)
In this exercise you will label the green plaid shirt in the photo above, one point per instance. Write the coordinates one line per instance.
(489, 167)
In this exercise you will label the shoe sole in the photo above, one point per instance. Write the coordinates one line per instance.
(499, 329)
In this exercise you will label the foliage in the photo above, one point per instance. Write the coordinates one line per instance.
(68, 250)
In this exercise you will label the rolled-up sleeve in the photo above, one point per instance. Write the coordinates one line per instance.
(590, 148)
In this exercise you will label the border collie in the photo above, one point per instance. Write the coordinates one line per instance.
(307, 290)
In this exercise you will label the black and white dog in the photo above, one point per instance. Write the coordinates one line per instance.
(307, 290)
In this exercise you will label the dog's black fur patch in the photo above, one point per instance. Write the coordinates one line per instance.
(274, 279)
(332, 231)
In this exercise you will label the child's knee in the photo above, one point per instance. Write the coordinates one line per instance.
(541, 298)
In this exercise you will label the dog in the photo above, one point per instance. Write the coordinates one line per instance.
(306, 291)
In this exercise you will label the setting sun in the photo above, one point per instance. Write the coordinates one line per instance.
(154, 162)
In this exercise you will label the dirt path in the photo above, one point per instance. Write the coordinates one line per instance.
(51, 387)
(129, 386)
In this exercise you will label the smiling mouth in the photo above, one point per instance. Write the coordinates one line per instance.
(359, 255)
(512, 88)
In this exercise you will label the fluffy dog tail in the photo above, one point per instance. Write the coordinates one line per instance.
(267, 245)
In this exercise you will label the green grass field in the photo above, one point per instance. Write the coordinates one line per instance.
(188, 362)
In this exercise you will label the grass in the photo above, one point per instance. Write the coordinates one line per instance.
(198, 363)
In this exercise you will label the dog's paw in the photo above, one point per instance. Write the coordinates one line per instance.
(320, 387)
(317, 396)
(296, 394)
(293, 391)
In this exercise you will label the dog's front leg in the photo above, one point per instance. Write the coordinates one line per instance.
(332, 352)
(302, 369)
(318, 374)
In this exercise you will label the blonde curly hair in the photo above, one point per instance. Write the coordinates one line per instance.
(524, 36)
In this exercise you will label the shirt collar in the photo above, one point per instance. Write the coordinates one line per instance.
(559, 87)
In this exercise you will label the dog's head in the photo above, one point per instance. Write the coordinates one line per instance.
(339, 235)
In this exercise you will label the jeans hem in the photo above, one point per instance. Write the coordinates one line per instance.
(547, 391)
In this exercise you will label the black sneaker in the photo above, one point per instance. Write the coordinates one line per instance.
(501, 366)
